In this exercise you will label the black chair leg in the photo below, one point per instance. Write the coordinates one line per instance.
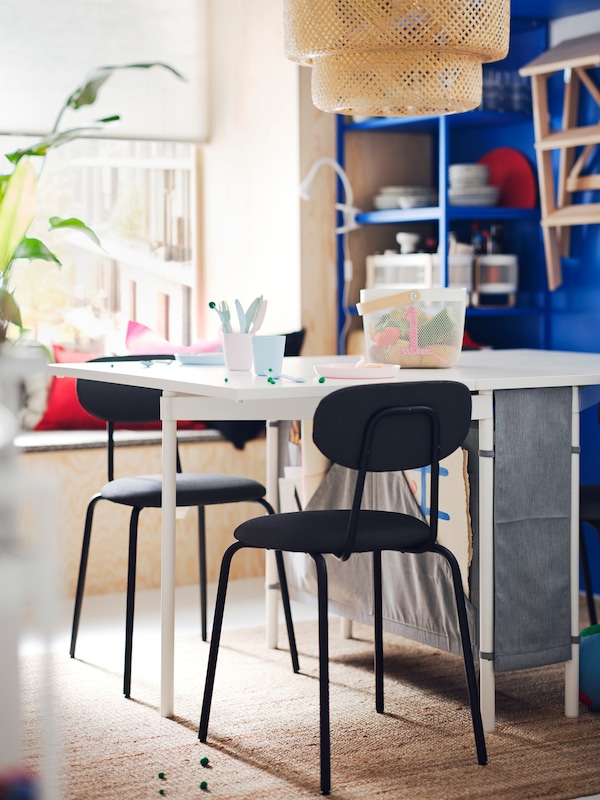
(467, 652)
(587, 577)
(285, 599)
(202, 570)
(85, 551)
(378, 631)
(324, 725)
(216, 638)
(131, 569)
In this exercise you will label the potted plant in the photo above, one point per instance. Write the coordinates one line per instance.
(18, 192)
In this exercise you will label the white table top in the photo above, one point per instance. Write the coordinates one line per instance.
(483, 370)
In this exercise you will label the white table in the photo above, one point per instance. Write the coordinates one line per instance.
(207, 393)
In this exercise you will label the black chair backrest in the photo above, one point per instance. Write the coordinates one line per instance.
(294, 341)
(114, 402)
(391, 427)
(402, 437)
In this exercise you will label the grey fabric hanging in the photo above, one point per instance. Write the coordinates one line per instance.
(532, 503)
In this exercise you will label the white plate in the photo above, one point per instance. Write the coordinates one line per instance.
(484, 191)
(473, 200)
(348, 371)
(405, 189)
(200, 359)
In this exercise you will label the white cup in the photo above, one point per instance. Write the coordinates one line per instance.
(237, 349)
(267, 352)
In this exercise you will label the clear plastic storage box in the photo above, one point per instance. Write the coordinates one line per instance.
(417, 328)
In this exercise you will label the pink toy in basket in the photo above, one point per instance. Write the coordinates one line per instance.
(418, 328)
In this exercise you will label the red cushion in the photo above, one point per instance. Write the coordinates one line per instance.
(64, 411)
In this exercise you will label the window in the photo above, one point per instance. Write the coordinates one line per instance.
(141, 200)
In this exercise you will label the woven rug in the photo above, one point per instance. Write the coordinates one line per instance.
(263, 734)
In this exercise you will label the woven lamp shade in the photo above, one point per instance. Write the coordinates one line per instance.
(396, 57)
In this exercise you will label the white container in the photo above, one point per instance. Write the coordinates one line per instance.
(237, 350)
(460, 271)
(496, 274)
(417, 328)
(400, 271)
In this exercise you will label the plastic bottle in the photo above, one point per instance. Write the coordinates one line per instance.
(477, 239)
(495, 242)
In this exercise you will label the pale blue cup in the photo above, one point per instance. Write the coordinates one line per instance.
(267, 354)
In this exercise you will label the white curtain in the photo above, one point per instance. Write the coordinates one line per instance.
(49, 46)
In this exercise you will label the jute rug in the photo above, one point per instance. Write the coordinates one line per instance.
(263, 735)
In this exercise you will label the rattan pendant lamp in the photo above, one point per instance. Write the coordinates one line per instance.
(396, 57)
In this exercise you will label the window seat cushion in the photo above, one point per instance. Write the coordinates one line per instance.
(44, 441)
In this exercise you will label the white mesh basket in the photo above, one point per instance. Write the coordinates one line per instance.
(417, 328)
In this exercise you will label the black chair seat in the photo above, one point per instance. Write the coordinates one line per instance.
(589, 502)
(192, 489)
(326, 532)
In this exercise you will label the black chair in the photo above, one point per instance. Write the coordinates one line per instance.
(116, 403)
(367, 428)
(589, 512)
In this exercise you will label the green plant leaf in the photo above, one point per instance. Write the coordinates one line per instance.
(57, 223)
(57, 139)
(35, 249)
(17, 210)
(9, 310)
(87, 93)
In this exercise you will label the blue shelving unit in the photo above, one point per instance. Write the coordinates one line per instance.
(452, 139)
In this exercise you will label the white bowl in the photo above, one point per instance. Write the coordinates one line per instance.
(383, 201)
(417, 201)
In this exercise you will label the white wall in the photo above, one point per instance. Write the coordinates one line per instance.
(50, 46)
(573, 27)
(250, 196)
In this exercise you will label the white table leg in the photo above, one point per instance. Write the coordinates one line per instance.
(572, 666)
(271, 577)
(487, 682)
(167, 579)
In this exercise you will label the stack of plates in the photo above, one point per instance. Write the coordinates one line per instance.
(469, 186)
(405, 197)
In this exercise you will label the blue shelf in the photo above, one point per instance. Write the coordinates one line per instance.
(395, 215)
(390, 216)
(522, 311)
(473, 311)
(469, 119)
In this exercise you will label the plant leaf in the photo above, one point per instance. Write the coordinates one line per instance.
(9, 310)
(57, 223)
(87, 93)
(56, 139)
(31, 249)
(17, 210)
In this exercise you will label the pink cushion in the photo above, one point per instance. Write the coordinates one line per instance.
(141, 340)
